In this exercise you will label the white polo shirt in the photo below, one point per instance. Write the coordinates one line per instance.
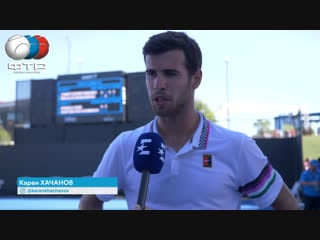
(212, 171)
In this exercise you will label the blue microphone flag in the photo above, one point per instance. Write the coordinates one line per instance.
(149, 153)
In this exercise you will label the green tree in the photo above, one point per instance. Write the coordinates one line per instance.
(263, 126)
(203, 108)
(5, 138)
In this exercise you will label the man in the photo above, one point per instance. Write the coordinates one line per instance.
(310, 184)
(206, 167)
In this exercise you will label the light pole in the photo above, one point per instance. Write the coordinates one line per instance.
(69, 53)
(227, 59)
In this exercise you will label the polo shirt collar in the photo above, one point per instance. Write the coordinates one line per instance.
(199, 139)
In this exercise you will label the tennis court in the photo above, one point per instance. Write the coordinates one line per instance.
(70, 203)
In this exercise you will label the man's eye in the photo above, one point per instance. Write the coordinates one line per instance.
(151, 74)
(171, 73)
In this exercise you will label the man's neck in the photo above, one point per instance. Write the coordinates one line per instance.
(177, 131)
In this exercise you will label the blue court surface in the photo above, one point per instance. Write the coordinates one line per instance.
(70, 203)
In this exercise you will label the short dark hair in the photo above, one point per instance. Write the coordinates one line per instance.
(172, 40)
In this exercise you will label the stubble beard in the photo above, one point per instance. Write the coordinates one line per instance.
(173, 110)
(175, 107)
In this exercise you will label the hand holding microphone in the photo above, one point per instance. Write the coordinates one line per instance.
(148, 158)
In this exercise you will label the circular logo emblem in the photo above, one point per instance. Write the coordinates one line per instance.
(27, 47)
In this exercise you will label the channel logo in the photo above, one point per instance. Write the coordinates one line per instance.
(20, 47)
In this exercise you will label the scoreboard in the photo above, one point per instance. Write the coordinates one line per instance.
(90, 98)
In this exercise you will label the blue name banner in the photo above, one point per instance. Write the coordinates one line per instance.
(66, 185)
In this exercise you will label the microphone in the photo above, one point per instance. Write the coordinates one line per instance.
(148, 158)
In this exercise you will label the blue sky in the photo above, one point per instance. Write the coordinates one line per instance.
(271, 72)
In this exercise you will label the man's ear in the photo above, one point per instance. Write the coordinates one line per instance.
(196, 80)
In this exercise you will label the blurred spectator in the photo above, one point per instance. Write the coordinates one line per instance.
(310, 184)
(306, 163)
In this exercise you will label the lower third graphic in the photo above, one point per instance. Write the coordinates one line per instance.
(66, 185)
